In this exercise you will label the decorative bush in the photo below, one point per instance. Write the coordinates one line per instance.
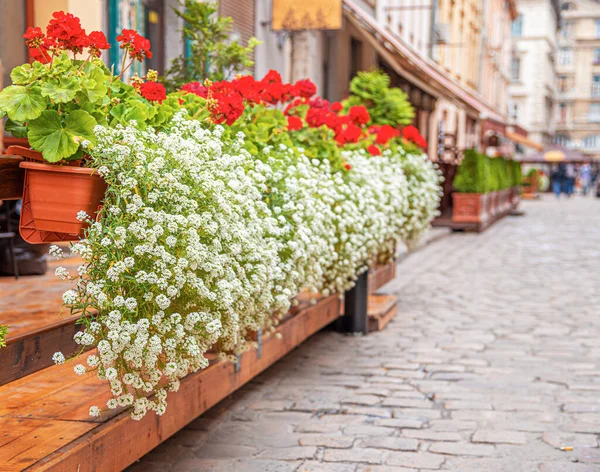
(473, 174)
(479, 173)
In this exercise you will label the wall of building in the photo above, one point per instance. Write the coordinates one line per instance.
(533, 90)
(12, 48)
(579, 124)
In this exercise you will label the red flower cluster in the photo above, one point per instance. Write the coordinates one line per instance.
(63, 33)
(153, 91)
(136, 45)
(384, 133)
(227, 99)
(411, 134)
(359, 115)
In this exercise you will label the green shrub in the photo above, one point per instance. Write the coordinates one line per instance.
(387, 105)
(473, 175)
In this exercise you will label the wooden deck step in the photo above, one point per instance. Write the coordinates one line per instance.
(44, 421)
(381, 309)
(31, 308)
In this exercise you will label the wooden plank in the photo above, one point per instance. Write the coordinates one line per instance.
(381, 310)
(24, 440)
(29, 352)
(117, 443)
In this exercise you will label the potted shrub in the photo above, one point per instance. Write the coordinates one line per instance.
(55, 103)
(471, 184)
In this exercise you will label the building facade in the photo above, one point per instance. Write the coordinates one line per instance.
(533, 68)
(578, 81)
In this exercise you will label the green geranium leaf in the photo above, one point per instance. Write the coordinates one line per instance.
(16, 128)
(22, 75)
(21, 104)
(132, 110)
(59, 139)
(94, 86)
(61, 91)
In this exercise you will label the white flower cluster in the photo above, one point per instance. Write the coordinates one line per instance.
(200, 244)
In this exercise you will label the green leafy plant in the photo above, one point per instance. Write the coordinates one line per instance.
(473, 174)
(387, 105)
(212, 55)
(3, 333)
(57, 101)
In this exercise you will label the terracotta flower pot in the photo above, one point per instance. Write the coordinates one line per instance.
(469, 207)
(57, 193)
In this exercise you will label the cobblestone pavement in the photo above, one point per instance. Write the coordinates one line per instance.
(492, 364)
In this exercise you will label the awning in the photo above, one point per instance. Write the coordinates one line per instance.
(554, 153)
(415, 66)
(520, 139)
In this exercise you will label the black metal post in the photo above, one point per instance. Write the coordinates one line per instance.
(355, 319)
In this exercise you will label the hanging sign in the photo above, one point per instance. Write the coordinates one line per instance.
(299, 15)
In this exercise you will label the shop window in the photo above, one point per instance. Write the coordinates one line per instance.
(515, 69)
(516, 27)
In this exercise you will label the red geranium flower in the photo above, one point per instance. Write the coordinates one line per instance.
(98, 43)
(374, 150)
(410, 132)
(336, 107)
(294, 123)
(351, 134)
(305, 88)
(153, 91)
(347, 166)
(359, 115)
(64, 31)
(196, 88)
(385, 133)
(136, 45)
(34, 37)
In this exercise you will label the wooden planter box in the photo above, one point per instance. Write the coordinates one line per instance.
(471, 207)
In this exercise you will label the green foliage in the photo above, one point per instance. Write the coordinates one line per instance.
(387, 105)
(479, 173)
(57, 105)
(473, 174)
(3, 333)
(212, 55)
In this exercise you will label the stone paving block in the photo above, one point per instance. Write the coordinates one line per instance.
(462, 449)
(466, 405)
(341, 442)
(316, 466)
(422, 460)
(430, 435)
(355, 455)
(393, 443)
(558, 439)
(567, 467)
(420, 413)
(400, 423)
(290, 453)
(383, 468)
(499, 437)
(367, 430)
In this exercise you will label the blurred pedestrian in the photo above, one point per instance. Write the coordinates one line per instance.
(558, 179)
(570, 175)
(585, 177)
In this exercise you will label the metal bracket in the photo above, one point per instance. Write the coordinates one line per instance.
(259, 341)
(238, 363)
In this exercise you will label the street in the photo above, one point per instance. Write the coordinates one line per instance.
(492, 364)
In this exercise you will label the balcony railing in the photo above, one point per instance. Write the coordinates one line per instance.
(596, 90)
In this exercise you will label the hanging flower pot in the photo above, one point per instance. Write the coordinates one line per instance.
(52, 198)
